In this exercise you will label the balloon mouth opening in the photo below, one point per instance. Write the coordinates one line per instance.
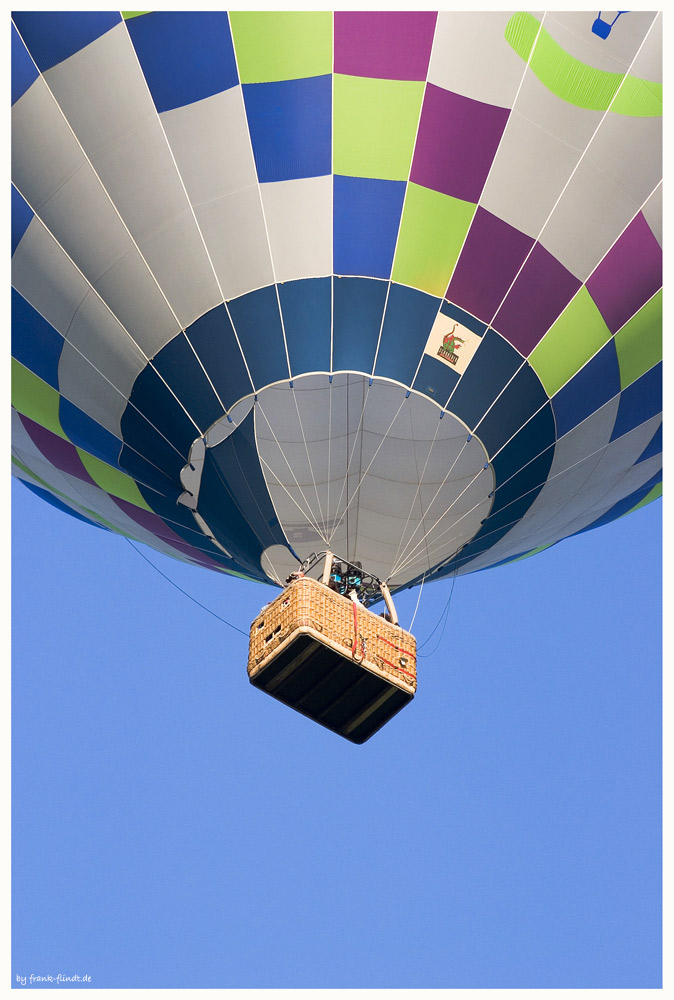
(363, 465)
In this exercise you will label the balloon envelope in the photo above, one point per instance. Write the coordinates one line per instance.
(387, 282)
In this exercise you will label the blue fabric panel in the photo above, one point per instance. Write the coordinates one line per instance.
(24, 70)
(463, 317)
(536, 437)
(212, 337)
(595, 383)
(142, 439)
(367, 218)
(639, 402)
(483, 541)
(654, 448)
(185, 56)
(166, 425)
(525, 484)
(291, 127)
(150, 481)
(507, 517)
(176, 362)
(35, 342)
(409, 317)
(52, 36)
(257, 322)
(59, 504)
(435, 379)
(235, 502)
(523, 396)
(358, 311)
(179, 519)
(22, 216)
(625, 505)
(87, 434)
(306, 306)
(495, 362)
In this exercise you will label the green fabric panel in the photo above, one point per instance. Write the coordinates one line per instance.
(374, 126)
(570, 342)
(282, 45)
(639, 98)
(35, 399)
(92, 514)
(127, 14)
(653, 495)
(576, 82)
(534, 552)
(638, 343)
(114, 482)
(432, 232)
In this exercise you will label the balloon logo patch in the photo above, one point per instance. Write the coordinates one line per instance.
(452, 343)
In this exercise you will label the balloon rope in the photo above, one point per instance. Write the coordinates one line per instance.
(236, 629)
(444, 614)
(418, 599)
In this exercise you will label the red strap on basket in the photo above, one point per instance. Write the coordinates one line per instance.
(399, 649)
(396, 667)
(354, 647)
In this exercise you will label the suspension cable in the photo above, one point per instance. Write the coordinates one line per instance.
(224, 620)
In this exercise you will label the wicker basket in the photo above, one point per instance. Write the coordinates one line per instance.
(315, 650)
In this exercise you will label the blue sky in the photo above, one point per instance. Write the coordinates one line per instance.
(175, 827)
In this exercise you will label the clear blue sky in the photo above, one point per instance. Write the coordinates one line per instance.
(175, 827)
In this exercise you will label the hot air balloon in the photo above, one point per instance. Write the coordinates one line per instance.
(386, 284)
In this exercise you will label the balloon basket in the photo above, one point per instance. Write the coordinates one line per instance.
(332, 659)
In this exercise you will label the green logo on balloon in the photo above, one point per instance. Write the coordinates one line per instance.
(450, 345)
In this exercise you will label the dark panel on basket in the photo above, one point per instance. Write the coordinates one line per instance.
(330, 688)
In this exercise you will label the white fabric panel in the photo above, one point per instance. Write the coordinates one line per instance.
(62, 187)
(118, 100)
(624, 451)
(573, 125)
(573, 31)
(587, 438)
(593, 205)
(628, 151)
(97, 343)
(86, 223)
(580, 495)
(211, 145)
(179, 260)
(234, 231)
(140, 176)
(299, 223)
(605, 495)
(46, 278)
(648, 63)
(135, 298)
(83, 221)
(471, 57)
(576, 455)
(37, 124)
(653, 213)
(120, 131)
(529, 172)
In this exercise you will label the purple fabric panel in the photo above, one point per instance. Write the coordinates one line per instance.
(629, 274)
(390, 45)
(491, 256)
(457, 141)
(153, 523)
(62, 454)
(540, 293)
